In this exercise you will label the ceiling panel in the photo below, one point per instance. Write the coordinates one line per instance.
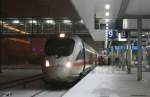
(87, 10)
(138, 7)
(114, 8)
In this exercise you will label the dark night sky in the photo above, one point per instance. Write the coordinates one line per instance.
(37, 8)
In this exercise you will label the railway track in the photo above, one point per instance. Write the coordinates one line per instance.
(10, 89)
(19, 82)
(46, 93)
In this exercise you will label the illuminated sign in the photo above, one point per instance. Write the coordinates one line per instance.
(111, 34)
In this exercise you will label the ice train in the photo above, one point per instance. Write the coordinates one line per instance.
(67, 59)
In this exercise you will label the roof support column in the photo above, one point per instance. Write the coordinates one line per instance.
(129, 54)
(139, 66)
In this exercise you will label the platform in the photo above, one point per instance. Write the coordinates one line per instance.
(111, 82)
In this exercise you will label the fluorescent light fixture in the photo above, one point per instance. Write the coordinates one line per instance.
(107, 28)
(106, 20)
(2, 22)
(33, 21)
(107, 6)
(67, 22)
(121, 39)
(16, 21)
(107, 14)
(22, 24)
(30, 21)
(62, 35)
(125, 23)
(146, 33)
(50, 22)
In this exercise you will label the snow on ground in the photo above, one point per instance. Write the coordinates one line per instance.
(110, 82)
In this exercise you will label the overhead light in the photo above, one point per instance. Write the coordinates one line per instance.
(22, 24)
(107, 14)
(16, 21)
(2, 22)
(33, 21)
(106, 20)
(107, 25)
(107, 28)
(146, 33)
(62, 35)
(67, 22)
(50, 22)
(107, 6)
(125, 23)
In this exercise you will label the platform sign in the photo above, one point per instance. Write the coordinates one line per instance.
(135, 48)
(120, 48)
(111, 34)
(124, 34)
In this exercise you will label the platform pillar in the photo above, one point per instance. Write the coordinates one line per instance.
(139, 66)
(128, 54)
(112, 56)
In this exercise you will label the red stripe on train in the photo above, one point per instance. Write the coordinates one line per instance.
(80, 63)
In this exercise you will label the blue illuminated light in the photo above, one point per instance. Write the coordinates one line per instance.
(111, 34)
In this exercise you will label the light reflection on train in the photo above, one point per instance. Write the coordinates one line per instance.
(67, 59)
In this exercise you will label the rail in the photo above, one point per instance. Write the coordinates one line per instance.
(23, 81)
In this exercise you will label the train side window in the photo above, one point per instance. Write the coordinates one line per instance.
(80, 55)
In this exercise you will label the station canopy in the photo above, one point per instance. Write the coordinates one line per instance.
(90, 11)
(130, 10)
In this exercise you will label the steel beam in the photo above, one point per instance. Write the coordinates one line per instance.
(127, 16)
(139, 66)
(123, 8)
(129, 53)
(39, 35)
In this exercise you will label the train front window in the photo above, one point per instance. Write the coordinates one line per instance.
(59, 47)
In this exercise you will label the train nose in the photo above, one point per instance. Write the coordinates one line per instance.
(58, 72)
(49, 63)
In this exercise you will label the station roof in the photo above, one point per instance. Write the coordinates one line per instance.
(88, 10)
(91, 9)
(37, 8)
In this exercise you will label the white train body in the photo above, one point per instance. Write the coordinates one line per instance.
(59, 65)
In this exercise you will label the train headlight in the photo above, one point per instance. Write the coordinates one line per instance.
(47, 64)
(68, 64)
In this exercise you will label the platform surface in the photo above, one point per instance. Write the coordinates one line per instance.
(109, 81)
